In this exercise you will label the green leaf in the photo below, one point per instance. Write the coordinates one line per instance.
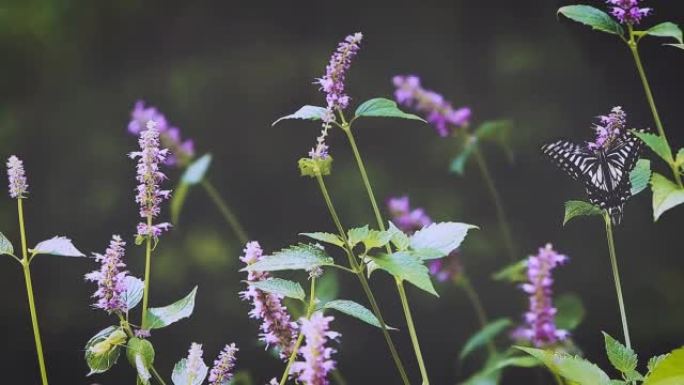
(137, 346)
(103, 349)
(458, 164)
(570, 311)
(182, 376)
(333, 239)
(134, 291)
(381, 107)
(400, 240)
(327, 287)
(305, 113)
(5, 245)
(593, 17)
(444, 236)
(656, 143)
(142, 370)
(573, 368)
(666, 29)
(355, 310)
(159, 317)
(376, 238)
(519, 362)
(655, 360)
(634, 375)
(513, 273)
(640, 176)
(313, 167)
(60, 246)
(499, 132)
(282, 287)
(666, 195)
(426, 254)
(579, 208)
(621, 357)
(195, 172)
(679, 160)
(299, 257)
(406, 267)
(680, 46)
(484, 336)
(356, 235)
(180, 193)
(669, 370)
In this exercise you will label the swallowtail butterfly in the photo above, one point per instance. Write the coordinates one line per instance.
(604, 171)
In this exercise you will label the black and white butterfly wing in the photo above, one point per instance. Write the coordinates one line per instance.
(576, 160)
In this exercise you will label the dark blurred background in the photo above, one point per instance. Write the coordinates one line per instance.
(223, 71)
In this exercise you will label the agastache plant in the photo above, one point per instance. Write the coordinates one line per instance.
(317, 360)
(111, 278)
(222, 371)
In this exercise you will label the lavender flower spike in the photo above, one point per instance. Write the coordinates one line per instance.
(277, 327)
(611, 127)
(111, 278)
(540, 324)
(332, 83)
(149, 195)
(628, 11)
(222, 372)
(317, 357)
(439, 112)
(17, 178)
(194, 361)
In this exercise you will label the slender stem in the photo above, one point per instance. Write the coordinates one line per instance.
(616, 277)
(157, 375)
(300, 337)
(475, 301)
(337, 376)
(498, 203)
(362, 278)
(148, 262)
(127, 328)
(633, 47)
(381, 226)
(29, 292)
(227, 213)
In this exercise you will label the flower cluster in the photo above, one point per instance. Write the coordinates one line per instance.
(17, 177)
(540, 324)
(611, 126)
(628, 11)
(194, 361)
(111, 278)
(320, 151)
(181, 152)
(149, 176)
(332, 83)
(277, 328)
(439, 112)
(318, 362)
(222, 371)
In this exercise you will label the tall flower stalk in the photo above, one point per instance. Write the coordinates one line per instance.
(616, 277)
(18, 188)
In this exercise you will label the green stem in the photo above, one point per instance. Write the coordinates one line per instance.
(475, 301)
(227, 213)
(148, 262)
(633, 47)
(559, 380)
(498, 203)
(300, 337)
(400, 285)
(338, 378)
(29, 292)
(616, 277)
(362, 279)
(127, 328)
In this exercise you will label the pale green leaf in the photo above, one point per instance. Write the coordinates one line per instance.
(669, 370)
(196, 171)
(180, 194)
(60, 246)
(280, 286)
(666, 195)
(655, 360)
(680, 46)
(103, 349)
(376, 238)
(408, 268)
(579, 208)
(305, 113)
(182, 376)
(315, 167)
(640, 176)
(484, 336)
(593, 17)
(5, 245)
(458, 164)
(444, 236)
(333, 239)
(513, 273)
(381, 107)
(327, 286)
(355, 310)
(573, 368)
(356, 235)
(666, 29)
(621, 357)
(570, 311)
(159, 317)
(142, 369)
(134, 291)
(299, 257)
(679, 160)
(519, 362)
(400, 240)
(656, 143)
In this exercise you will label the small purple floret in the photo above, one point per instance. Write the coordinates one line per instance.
(111, 278)
(317, 357)
(610, 127)
(628, 11)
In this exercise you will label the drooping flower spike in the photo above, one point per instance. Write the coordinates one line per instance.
(317, 357)
(222, 371)
(110, 278)
(628, 11)
(18, 187)
(277, 328)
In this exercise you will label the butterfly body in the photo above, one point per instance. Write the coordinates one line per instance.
(603, 170)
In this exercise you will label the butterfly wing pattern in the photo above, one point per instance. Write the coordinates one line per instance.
(604, 172)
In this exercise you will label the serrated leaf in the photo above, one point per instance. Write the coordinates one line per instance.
(570, 311)
(593, 17)
(196, 171)
(356, 235)
(579, 208)
(355, 310)
(573, 368)
(633, 375)
(305, 113)
(484, 336)
(656, 143)
(159, 317)
(103, 349)
(400, 240)
(621, 357)
(134, 291)
(313, 167)
(666, 29)
(60, 246)
(137, 346)
(666, 195)
(655, 360)
(333, 239)
(407, 268)
(5, 245)
(180, 194)
(669, 370)
(385, 108)
(299, 257)
(458, 164)
(282, 287)
(182, 376)
(513, 273)
(640, 176)
(376, 238)
(444, 236)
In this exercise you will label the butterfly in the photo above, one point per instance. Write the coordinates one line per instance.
(604, 171)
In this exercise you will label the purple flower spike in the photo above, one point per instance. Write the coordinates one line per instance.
(277, 327)
(628, 11)
(111, 278)
(222, 372)
(17, 178)
(438, 111)
(540, 321)
(611, 126)
(332, 83)
(317, 357)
